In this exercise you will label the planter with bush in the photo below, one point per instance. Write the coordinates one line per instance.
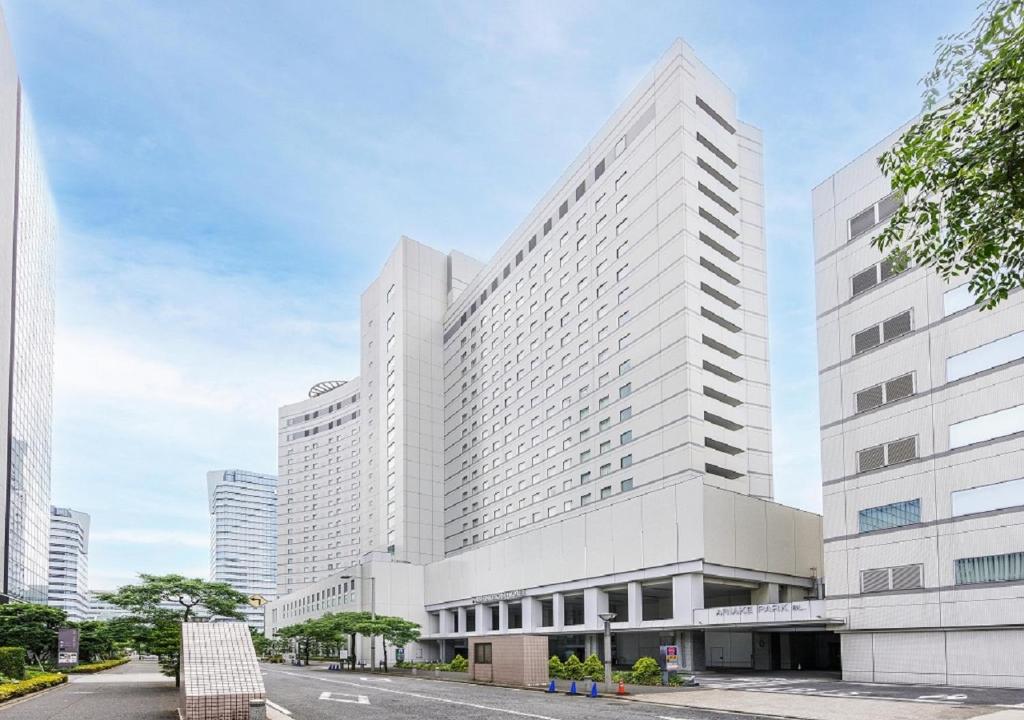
(98, 666)
(19, 688)
(12, 663)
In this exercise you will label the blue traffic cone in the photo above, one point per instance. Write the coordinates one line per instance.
(572, 688)
(551, 686)
(593, 689)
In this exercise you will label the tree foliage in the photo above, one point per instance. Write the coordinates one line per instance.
(192, 594)
(33, 627)
(960, 167)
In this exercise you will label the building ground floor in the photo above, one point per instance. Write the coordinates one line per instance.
(807, 649)
(974, 657)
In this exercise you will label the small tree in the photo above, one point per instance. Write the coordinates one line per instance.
(459, 663)
(345, 624)
(573, 668)
(555, 667)
(162, 631)
(593, 668)
(646, 671)
(399, 632)
(33, 627)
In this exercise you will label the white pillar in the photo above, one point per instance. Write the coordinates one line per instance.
(635, 600)
(595, 601)
(460, 614)
(558, 610)
(446, 622)
(687, 596)
(483, 618)
(503, 616)
(531, 614)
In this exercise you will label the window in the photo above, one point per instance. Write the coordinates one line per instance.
(867, 279)
(988, 497)
(585, 499)
(892, 453)
(983, 357)
(390, 293)
(626, 461)
(626, 437)
(626, 485)
(625, 413)
(957, 299)
(987, 427)
(606, 491)
(626, 390)
(889, 516)
(904, 577)
(888, 330)
(482, 653)
(715, 116)
(873, 215)
(887, 392)
(990, 569)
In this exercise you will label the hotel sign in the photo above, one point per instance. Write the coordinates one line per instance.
(496, 597)
(763, 613)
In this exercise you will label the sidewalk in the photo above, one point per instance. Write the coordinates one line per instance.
(817, 707)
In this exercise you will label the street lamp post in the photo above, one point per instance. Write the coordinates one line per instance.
(607, 617)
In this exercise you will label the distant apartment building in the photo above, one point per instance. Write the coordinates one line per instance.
(27, 248)
(69, 562)
(922, 444)
(579, 425)
(243, 534)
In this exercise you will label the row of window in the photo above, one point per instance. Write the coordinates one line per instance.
(1006, 567)
(970, 501)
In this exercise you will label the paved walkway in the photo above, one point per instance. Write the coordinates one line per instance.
(135, 691)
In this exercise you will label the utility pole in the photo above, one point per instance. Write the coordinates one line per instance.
(607, 617)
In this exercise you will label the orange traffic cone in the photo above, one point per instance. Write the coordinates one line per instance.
(622, 688)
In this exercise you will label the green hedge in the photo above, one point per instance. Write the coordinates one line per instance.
(12, 662)
(12, 690)
(98, 666)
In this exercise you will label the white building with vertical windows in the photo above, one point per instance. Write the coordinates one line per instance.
(69, 563)
(922, 436)
(582, 423)
(243, 534)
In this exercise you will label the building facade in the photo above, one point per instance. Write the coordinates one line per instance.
(69, 562)
(27, 270)
(582, 424)
(922, 436)
(243, 534)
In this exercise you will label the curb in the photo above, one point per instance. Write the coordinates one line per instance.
(24, 698)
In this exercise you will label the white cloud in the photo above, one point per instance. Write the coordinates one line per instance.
(143, 536)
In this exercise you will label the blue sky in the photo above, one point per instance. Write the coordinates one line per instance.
(230, 175)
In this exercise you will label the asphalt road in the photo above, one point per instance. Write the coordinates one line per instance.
(312, 694)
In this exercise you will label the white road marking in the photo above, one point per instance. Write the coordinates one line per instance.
(421, 696)
(282, 710)
(367, 679)
(345, 698)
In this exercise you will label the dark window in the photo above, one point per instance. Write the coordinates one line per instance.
(581, 189)
(599, 170)
(563, 209)
(482, 653)
(547, 226)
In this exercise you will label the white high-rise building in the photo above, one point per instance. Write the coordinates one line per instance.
(922, 438)
(28, 232)
(69, 562)
(580, 424)
(243, 534)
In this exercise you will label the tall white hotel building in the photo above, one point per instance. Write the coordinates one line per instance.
(69, 563)
(922, 437)
(579, 425)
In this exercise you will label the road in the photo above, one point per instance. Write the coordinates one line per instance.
(302, 691)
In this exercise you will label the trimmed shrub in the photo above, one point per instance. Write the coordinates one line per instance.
(459, 664)
(555, 667)
(573, 668)
(98, 666)
(12, 662)
(646, 671)
(593, 668)
(12, 690)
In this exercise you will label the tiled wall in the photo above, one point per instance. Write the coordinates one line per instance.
(219, 671)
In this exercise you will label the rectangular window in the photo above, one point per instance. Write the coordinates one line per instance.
(990, 569)
(626, 461)
(482, 653)
(626, 437)
(888, 330)
(887, 392)
(997, 496)
(626, 485)
(957, 299)
(984, 357)
(889, 516)
(606, 491)
(892, 453)
(987, 427)
(904, 577)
